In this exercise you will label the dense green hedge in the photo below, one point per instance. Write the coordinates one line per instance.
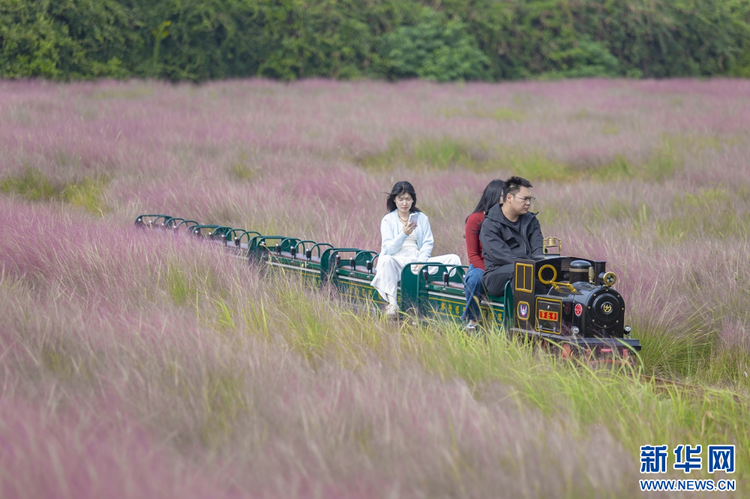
(439, 39)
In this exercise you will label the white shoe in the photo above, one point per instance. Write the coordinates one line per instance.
(391, 311)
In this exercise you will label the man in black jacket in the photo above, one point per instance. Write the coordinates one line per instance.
(509, 232)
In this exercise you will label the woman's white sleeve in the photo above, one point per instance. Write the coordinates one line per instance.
(390, 242)
(425, 251)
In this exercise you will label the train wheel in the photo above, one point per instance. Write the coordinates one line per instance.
(567, 352)
(543, 345)
(627, 358)
(589, 358)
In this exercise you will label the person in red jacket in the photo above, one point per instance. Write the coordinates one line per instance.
(492, 195)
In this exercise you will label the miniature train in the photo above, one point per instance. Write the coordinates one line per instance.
(560, 300)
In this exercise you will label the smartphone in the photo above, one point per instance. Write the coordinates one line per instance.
(413, 217)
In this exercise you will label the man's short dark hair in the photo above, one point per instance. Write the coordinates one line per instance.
(514, 184)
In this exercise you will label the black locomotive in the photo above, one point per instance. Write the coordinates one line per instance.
(571, 299)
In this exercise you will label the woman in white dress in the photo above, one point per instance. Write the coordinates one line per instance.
(403, 242)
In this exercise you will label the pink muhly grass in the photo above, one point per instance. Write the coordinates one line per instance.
(735, 334)
(87, 452)
(198, 378)
(278, 158)
(87, 259)
(109, 392)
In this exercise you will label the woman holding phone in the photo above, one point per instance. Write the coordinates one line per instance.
(406, 237)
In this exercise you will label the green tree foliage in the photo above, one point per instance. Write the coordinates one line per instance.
(287, 39)
(64, 39)
(437, 39)
(435, 48)
(654, 38)
(665, 38)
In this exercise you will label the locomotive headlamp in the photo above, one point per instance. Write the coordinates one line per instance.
(609, 279)
(575, 330)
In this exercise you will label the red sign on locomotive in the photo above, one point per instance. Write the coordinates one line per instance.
(547, 315)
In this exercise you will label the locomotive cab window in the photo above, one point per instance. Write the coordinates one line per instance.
(524, 277)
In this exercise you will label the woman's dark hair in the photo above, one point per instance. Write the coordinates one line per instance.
(402, 187)
(492, 195)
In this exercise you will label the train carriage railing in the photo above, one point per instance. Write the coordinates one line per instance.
(151, 221)
(348, 262)
(420, 279)
(309, 253)
(301, 256)
(361, 265)
(291, 250)
(162, 221)
(266, 247)
(179, 224)
(234, 237)
(172, 222)
(212, 232)
(351, 271)
(437, 288)
(314, 254)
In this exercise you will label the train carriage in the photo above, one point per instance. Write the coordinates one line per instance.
(438, 289)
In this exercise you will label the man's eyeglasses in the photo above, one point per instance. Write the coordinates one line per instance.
(525, 199)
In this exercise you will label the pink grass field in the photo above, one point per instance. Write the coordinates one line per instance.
(138, 365)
